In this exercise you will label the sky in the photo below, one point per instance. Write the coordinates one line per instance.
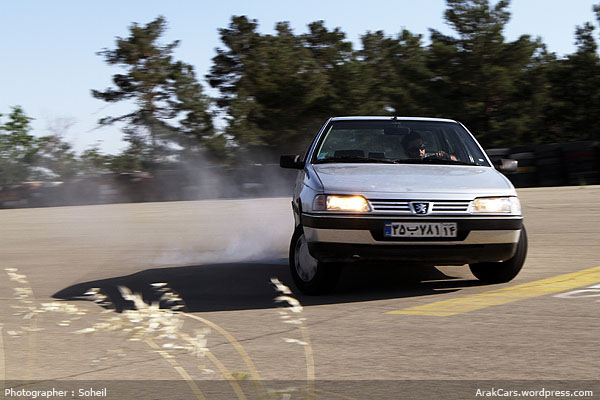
(48, 60)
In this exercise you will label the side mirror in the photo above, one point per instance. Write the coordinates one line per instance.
(291, 161)
(507, 166)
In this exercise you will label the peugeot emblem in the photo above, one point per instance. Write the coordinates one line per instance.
(420, 208)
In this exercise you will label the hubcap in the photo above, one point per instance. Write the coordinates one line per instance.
(306, 265)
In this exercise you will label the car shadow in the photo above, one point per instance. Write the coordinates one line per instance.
(247, 285)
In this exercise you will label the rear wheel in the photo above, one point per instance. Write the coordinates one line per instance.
(310, 275)
(499, 272)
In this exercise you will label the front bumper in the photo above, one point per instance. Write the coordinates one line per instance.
(344, 238)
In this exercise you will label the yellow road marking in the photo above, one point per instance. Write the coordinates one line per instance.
(478, 301)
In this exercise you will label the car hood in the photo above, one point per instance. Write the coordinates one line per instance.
(403, 178)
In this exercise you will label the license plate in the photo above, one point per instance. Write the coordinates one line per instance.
(420, 229)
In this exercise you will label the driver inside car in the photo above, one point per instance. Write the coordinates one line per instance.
(415, 148)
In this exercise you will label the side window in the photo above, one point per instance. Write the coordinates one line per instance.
(305, 155)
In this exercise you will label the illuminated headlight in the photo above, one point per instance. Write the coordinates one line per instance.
(505, 205)
(325, 202)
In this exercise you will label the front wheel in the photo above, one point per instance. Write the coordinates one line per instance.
(310, 275)
(500, 272)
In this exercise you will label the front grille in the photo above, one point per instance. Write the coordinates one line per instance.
(450, 206)
(393, 206)
(390, 205)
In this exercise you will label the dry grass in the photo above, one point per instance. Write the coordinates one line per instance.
(162, 330)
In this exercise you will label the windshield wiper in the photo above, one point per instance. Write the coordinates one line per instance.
(426, 160)
(435, 160)
(355, 159)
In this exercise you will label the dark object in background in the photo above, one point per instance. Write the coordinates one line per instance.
(582, 162)
(550, 165)
(555, 164)
(527, 172)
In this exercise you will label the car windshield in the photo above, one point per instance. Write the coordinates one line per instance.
(398, 141)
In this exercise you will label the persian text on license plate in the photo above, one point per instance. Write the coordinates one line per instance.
(420, 229)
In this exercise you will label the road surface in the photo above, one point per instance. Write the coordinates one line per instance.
(436, 324)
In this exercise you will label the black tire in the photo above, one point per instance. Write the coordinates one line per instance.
(500, 272)
(311, 279)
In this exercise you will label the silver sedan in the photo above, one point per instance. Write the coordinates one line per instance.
(418, 190)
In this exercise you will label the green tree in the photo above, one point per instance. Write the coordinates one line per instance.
(525, 113)
(93, 162)
(396, 73)
(171, 108)
(17, 147)
(574, 107)
(276, 90)
(269, 85)
(54, 159)
(228, 70)
(475, 74)
(344, 88)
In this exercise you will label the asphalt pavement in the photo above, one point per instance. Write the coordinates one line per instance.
(220, 256)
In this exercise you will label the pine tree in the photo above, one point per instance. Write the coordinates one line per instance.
(170, 106)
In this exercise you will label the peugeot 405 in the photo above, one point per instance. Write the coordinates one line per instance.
(401, 190)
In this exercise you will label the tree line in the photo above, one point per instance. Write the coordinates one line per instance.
(273, 91)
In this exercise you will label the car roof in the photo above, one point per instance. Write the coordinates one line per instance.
(379, 118)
